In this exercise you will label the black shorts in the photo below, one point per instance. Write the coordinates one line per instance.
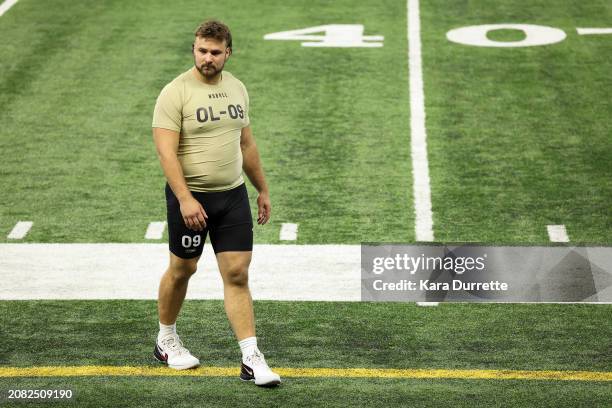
(229, 222)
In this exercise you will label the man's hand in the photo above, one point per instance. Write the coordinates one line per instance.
(264, 208)
(193, 213)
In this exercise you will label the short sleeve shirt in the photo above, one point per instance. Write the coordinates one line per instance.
(209, 119)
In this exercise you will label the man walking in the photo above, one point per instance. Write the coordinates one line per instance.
(203, 138)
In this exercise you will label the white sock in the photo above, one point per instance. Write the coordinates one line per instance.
(248, 346)
(165, 330)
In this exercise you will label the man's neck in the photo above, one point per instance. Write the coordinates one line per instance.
(209, 81)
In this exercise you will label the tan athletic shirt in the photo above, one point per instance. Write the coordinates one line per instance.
(209, 119)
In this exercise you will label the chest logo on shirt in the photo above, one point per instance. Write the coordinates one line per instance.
(218, 95)
(206, 114)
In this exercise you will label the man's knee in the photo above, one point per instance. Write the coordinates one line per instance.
(237, 275)
(182, 269)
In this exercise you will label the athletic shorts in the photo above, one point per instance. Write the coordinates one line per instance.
(229, 223)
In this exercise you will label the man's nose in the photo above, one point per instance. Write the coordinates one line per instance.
(208, 57)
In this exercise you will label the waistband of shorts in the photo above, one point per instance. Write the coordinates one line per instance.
(211, 193)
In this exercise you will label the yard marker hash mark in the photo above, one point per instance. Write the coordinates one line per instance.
(288, 232)
(155, 230)
(427, 304)
(557, 233)
(593, 31)
(20, 230)
(420, 165)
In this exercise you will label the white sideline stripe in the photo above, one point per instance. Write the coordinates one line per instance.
(133, 271)
(20, 230)
(591, 31)
(155, 230)
(6, 5)
(557, 233)
(420, 165)
(288, 232)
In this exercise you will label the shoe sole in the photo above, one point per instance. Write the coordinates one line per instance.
(183, 367)
(270, 384)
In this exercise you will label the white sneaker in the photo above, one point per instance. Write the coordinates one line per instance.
(254, 367)
(170, 350)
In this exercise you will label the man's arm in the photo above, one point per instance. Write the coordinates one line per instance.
(166, 142)
(252, 167)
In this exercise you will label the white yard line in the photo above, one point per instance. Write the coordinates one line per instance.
(20, 230)
(420, 165)
(133, 271)
(155, 230)
(6, 5)
(557, 233)
(288, 232)
(593, 31)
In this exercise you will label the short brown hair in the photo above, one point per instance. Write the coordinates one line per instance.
(215, 29)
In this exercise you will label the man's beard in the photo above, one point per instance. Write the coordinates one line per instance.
(211, 72)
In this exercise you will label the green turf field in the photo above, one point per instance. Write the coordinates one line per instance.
(76, 117)
(517, 139)
(216, 392)
(317, 334)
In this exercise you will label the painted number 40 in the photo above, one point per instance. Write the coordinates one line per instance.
(535, 35)
(330, 35)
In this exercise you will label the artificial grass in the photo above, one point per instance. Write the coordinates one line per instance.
(78, 157)
(317, 334)
(518, 137)
(314, 392)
